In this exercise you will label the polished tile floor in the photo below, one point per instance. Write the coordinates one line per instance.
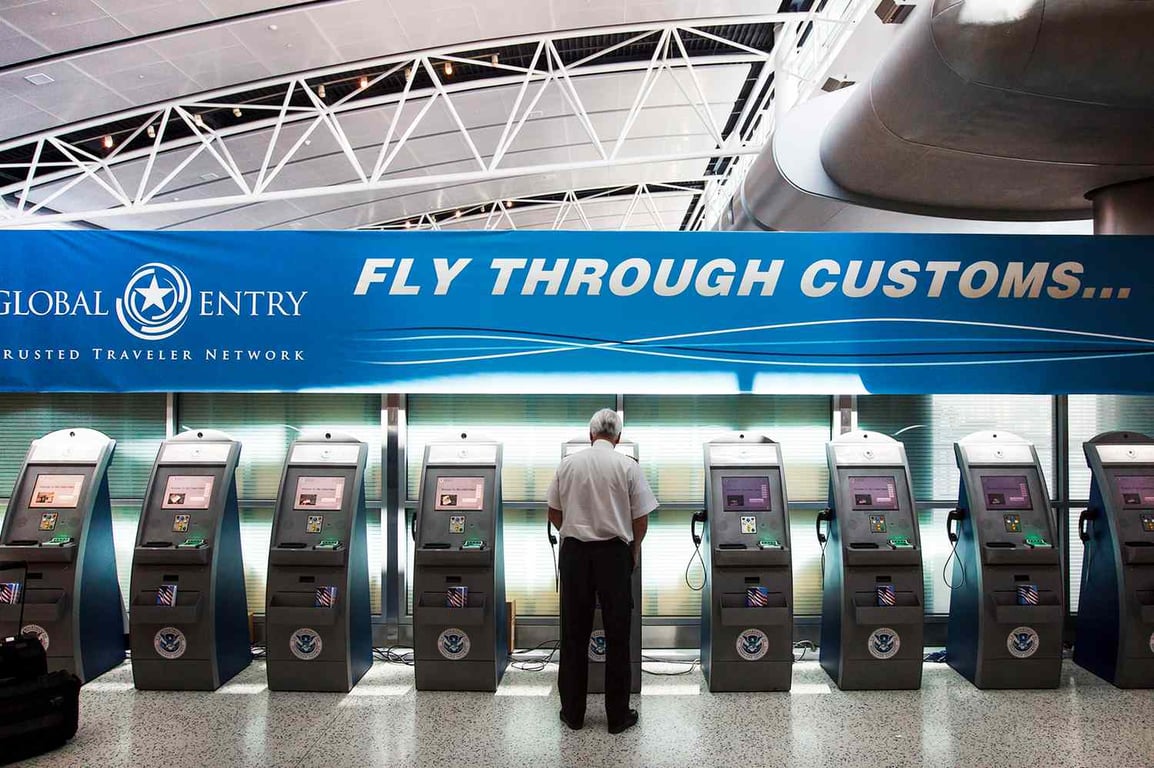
(385, 722)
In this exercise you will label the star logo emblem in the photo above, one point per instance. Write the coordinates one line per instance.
(153, 295)
(155, 303)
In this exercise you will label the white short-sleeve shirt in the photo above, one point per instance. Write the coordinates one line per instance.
(600, 493)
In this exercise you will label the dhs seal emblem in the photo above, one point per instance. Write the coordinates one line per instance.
(597, 646)
(305, 644)
(884, 643)
(38, 632)
(155, 303)
(453, 644)
(752, 644)
(1022, 643)
(1152, 642)
(170, 643)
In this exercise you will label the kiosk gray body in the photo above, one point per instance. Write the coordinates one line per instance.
(460, 633)
(1115, 637)
(597, 638)
(188, 621)
(747, 598)
(59, 522)
(1008, 603)
(872, 622)
(318, 632)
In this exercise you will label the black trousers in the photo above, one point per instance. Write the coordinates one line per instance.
(589, 570)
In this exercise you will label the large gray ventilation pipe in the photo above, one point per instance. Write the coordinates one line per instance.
(998, 110)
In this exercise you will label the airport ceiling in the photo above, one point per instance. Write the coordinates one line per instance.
(383, 114)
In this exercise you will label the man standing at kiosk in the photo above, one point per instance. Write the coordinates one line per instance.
(599, 501)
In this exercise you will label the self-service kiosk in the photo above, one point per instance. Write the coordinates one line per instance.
(318, 632)
(59, 523)
(597, 637)
(747, 598)
(1008, 603)
(188, 618)
(460, 633)
(1115, 637)
(872, 603)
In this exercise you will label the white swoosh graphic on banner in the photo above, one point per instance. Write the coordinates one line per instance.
(629, 346)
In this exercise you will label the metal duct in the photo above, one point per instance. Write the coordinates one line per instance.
(1001, 110)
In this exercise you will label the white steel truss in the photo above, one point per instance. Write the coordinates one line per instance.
(136, 171)
(571, 210)
(803, 53)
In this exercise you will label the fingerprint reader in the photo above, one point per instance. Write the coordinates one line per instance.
(192, 542)
(1037, 541)
(900, 542)
(473, 544)
(768, 542)
(329, 544)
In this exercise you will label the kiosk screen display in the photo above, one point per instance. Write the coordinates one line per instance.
(1006, 492)
(57, 491)
(187, 492)
(324, 493)
(745, 494)
(874, 493)
(454, 493)
(1136, 490)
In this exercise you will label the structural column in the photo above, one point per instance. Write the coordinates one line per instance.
(1124, 209)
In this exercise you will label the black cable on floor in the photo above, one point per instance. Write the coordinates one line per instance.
(804, 646)
(692, 666)
(391, 655)
(937, 657)
(537, 664)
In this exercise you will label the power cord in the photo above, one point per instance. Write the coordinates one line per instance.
(937, 657)
(535, 664)
(805, 646)
(692, 665)
(391, 655)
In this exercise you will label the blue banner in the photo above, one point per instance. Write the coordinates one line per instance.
(525, 312)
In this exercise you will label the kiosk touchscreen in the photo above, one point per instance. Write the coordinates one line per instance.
(318, 631)
(188, 618)
(872, 617)
(1115, 637)
(1007, 605)
(597, 637)
(59, 523)
(460, 622)
(747, 599)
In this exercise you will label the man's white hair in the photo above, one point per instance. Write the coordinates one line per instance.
(605, 422)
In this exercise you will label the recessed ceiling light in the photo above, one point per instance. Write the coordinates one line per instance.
(39, 79)
(210, 176)
(272, 27)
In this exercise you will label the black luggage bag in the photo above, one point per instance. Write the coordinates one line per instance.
(39, 711)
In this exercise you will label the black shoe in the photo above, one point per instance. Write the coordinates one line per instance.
(629, 721)
(573, 726)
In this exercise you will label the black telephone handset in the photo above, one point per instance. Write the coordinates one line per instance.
(1084, 520)
(549, 532)
(826, 516)
(697, 517)
(955, 516)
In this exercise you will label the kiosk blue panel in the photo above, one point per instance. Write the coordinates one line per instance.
(1115, 638)
(188, 620)
(59, 522)
(1008, 603)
